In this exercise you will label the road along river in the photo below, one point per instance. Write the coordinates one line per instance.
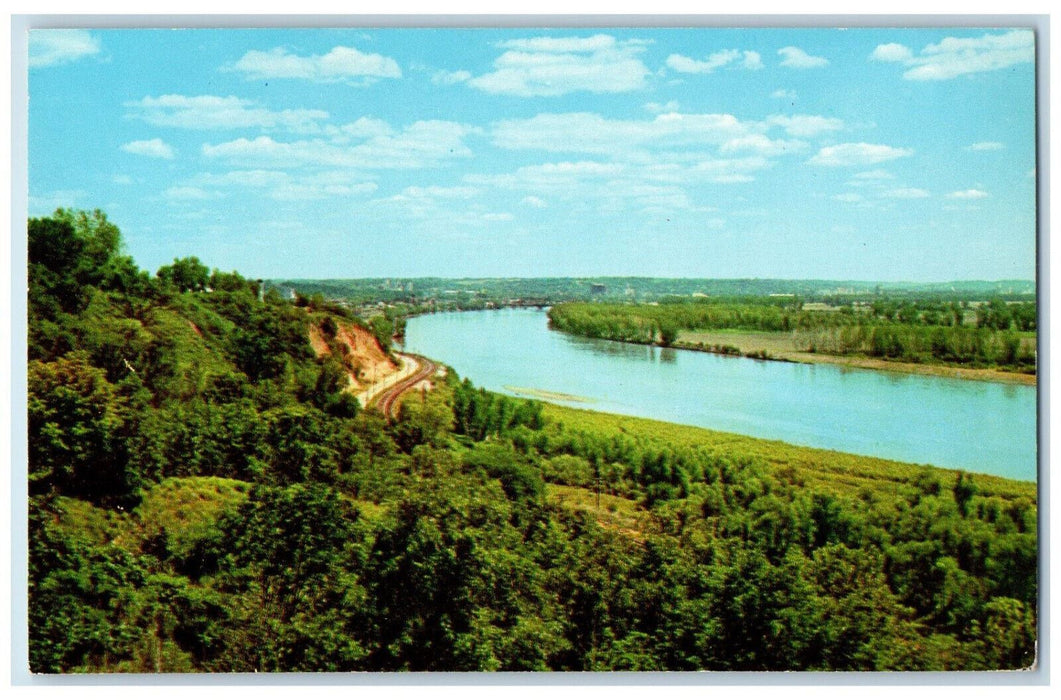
(977, 426)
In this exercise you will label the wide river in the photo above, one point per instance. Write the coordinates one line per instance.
(971, 425)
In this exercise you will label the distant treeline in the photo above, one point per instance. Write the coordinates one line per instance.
(983, 334)
(467, 293)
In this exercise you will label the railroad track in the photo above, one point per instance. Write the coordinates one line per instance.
(387, 401)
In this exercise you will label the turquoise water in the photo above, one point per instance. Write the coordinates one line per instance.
(977, 426)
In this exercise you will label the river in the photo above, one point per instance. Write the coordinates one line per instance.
(976, 426)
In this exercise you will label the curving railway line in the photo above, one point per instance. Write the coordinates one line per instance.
(387, 400)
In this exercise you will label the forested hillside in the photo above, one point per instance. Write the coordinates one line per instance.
(204, 495)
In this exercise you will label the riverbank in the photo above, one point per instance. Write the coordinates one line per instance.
(841, 472)
(780, 346)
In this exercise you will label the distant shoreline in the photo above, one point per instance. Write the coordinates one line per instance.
(774, 352)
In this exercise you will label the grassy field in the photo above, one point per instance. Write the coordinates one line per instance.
(781, 345)
(842, 472)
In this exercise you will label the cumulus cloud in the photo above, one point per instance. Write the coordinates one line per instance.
(657, 108)
(806, 125)
(656, 161)
(793, 57)
(953, 56)
(587, 132)
(153, 148)
(848, 154)
(438, 192)
(549, 177)
(891, 53)
(612, 187)
(54, 47)
(907, 193)
(877, 174)
(422, 144)
(213, 112)
(341, 64)
(783, 94)
(746, 59)
(759, 143)
(444, 77)
(532, 201)
(752, 60)
(548, 67)
(671, 147)
(187, 193)
(968, 194)
(284, 186)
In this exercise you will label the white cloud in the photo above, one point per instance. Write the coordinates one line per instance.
(422, 144)
(677, 149)
(532, 201)
(281, 185)
(545, 44)
(212, 112)
(298, 191)
(657, 108)
(874, 175)
(549, 176)
(610, 187)
(783, 94)
(761, 144)
(732, 179)
(153, 148)
(968, 194)
(847, 154)
(747, 59)
(586, 132)
(849, 197)
(806, 125)
(341, 64)
(363, 128)
(891, 53)
(547, 67)
(906, 193)
(53, 47)
(684, 64)
(728, 171)
(437, 192)
(497, 216)
(444, 77)
(987, 146)
(244, 178)
(122, 180)
(752, 60)
(954, 56)
(793, 57)
(187, 193)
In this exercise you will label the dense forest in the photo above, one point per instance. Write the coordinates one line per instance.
(993, 333)
(205, 496)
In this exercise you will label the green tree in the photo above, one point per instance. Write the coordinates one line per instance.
(185, 274)
(77, 432)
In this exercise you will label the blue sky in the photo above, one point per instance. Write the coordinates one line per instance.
(869, 154)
